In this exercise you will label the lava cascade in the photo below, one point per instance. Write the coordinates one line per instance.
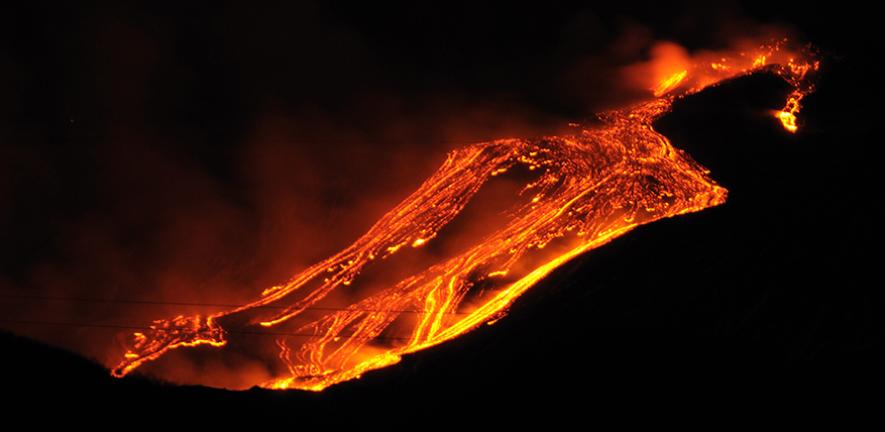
(589, 187)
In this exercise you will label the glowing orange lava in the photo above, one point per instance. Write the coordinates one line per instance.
(590, 187)
(670, 83)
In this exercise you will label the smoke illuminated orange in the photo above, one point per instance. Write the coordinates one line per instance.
(587, 188)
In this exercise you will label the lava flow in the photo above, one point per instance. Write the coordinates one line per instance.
(585, 190)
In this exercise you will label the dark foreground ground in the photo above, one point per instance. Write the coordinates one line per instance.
(767, 302)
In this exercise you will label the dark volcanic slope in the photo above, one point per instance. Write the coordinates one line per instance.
(764, 289)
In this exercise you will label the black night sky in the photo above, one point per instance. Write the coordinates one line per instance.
(146, 147)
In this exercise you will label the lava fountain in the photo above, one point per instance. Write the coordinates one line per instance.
(583, 190)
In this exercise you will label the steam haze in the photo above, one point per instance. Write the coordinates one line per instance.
(202, 156)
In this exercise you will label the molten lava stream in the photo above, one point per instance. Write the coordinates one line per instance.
(585, 189)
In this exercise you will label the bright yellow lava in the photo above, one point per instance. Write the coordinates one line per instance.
(670, 83)
(589, 188)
